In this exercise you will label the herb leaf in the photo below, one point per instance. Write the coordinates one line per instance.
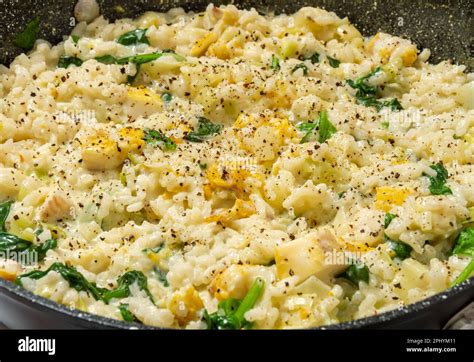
(67, 60)
(127, 316)
(156, 137)
(4, 211)
(388, 219)
(464, 244)
(401, 250)
(307, 127)
(465, 274)
(438, 183)
(367, 95)
(326, 128)
(26, 39)
(107, 59)
(162, 276)
(314, 58)
(356, 273)
(138, 60)
(166, 97)
(231, 312)
(137, 36)
(333, 62)
(205, 130)
(394, 105)
(275, 62)
(123, 286)
(300, 66)
(75, 38)
(13, 244)
(75, 279)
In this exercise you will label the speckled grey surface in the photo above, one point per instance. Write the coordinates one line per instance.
(444, 26)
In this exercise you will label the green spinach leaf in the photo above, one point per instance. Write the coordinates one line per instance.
(356, 273)
(367, 95)
(137, 36)
(126, 314)
(65, 61)
(333, 62)
(464, 244)
(231, 312)
(301, 66)
(438, 183)
(123, 286)
(326, 128)
(75, 279)
(204, 131)
(10, 243)
(275, 62)
(156, 137)
(4, 212)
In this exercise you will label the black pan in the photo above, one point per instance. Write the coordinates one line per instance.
(443, 26)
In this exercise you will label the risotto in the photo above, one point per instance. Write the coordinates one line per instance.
(227, 169)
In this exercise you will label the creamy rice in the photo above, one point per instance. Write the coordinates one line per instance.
(204, 220)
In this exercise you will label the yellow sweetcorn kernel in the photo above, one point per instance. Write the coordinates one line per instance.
(409, 56)
(216, 180)
(203, 44)
(220, 51)
(233, 179)
(388, 196)
(4, 274)
(100, 153)
(142, 102)
(240, 210)
(144, 95)
(131, 139)
(207, 191)
(283, 128)
(106, 151)
(385, 53)
(185, 305)
(233, 282)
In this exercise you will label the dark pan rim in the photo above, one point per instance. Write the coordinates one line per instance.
(46, 305)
